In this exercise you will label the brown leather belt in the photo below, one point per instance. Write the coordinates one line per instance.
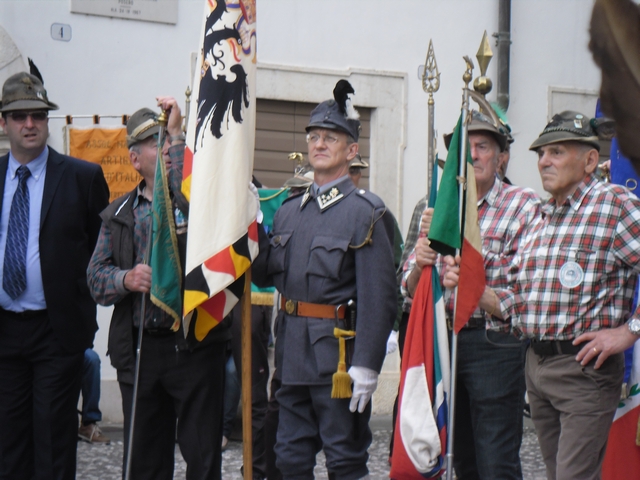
(315, 310)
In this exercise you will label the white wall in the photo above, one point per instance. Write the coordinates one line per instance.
(114, 66)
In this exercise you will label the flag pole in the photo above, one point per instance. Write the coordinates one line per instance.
(462, 174)
(431, 84)
(162, 122)
(247, 434)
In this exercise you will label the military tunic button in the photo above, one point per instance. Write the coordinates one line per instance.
(277, 239)
(361, 192)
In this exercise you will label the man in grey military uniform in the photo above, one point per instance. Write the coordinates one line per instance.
(331, 257)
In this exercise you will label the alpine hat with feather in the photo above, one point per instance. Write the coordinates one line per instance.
(568, 126)
(338, 113)
(24, 91)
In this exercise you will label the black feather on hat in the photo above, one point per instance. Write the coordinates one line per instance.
(341, 93)
(338, 113)
(33, 70)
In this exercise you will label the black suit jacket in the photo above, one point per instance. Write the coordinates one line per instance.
(75, 192)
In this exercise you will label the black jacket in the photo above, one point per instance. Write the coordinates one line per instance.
(75, 192)
(118, 218)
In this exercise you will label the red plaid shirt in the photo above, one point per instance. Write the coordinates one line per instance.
(577, 270)
(504, 214)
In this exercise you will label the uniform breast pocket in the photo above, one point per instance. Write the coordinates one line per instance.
(277, 252)
(327, 255)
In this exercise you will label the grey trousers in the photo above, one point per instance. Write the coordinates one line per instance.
(572, 408)
(310, 420)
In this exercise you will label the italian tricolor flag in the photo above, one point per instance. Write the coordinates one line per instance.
(455, 227)
(623, 448)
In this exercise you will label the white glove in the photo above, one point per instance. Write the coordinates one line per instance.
(254, 190)
(365, 382)
(392, 342)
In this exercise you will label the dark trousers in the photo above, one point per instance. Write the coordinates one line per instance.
(271, 429)
(310, 420)
(182, 385)
(260, 329)
(39, 389)
(572, 408)
(488, 406)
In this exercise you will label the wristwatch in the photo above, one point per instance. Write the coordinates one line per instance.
(176, 138)
(634, 326)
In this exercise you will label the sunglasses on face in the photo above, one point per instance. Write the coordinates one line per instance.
(21, 117)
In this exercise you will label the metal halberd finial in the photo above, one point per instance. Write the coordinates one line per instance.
(483, 84)
(430, 74)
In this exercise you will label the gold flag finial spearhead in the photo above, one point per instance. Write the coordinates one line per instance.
(430, 74)
(484, 54)
(483, 84)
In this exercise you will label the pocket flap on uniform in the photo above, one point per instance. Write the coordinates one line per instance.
(330, 243)
(320, 329)
(326, 256)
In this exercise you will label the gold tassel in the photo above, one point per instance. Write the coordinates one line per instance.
(341, 379)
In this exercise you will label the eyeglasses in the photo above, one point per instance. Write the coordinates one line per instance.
(329, 138)
(21, 117)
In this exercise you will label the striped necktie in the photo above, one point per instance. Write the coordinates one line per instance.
(14, 274)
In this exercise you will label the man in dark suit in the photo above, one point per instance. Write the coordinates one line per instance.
(49, 223)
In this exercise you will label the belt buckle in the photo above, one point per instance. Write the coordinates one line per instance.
(290, 307)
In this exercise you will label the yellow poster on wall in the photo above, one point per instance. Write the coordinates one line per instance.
(106, 146)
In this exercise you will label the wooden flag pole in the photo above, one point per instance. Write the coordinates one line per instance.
(247, 434)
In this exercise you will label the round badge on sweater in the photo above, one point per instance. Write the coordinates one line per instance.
(571, 275)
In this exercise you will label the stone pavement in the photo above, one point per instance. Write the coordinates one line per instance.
(104, 462)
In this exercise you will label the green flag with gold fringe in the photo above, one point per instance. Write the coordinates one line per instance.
(164, 258)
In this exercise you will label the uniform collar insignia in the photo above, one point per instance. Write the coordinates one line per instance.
(305, 197)
(328, 198)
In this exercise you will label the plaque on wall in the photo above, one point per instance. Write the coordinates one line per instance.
(161, 11)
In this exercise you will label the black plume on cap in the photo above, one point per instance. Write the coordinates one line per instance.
(337, 114)
(341, 93)
(33, 70)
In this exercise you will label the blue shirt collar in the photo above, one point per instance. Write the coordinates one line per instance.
(36, 166)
